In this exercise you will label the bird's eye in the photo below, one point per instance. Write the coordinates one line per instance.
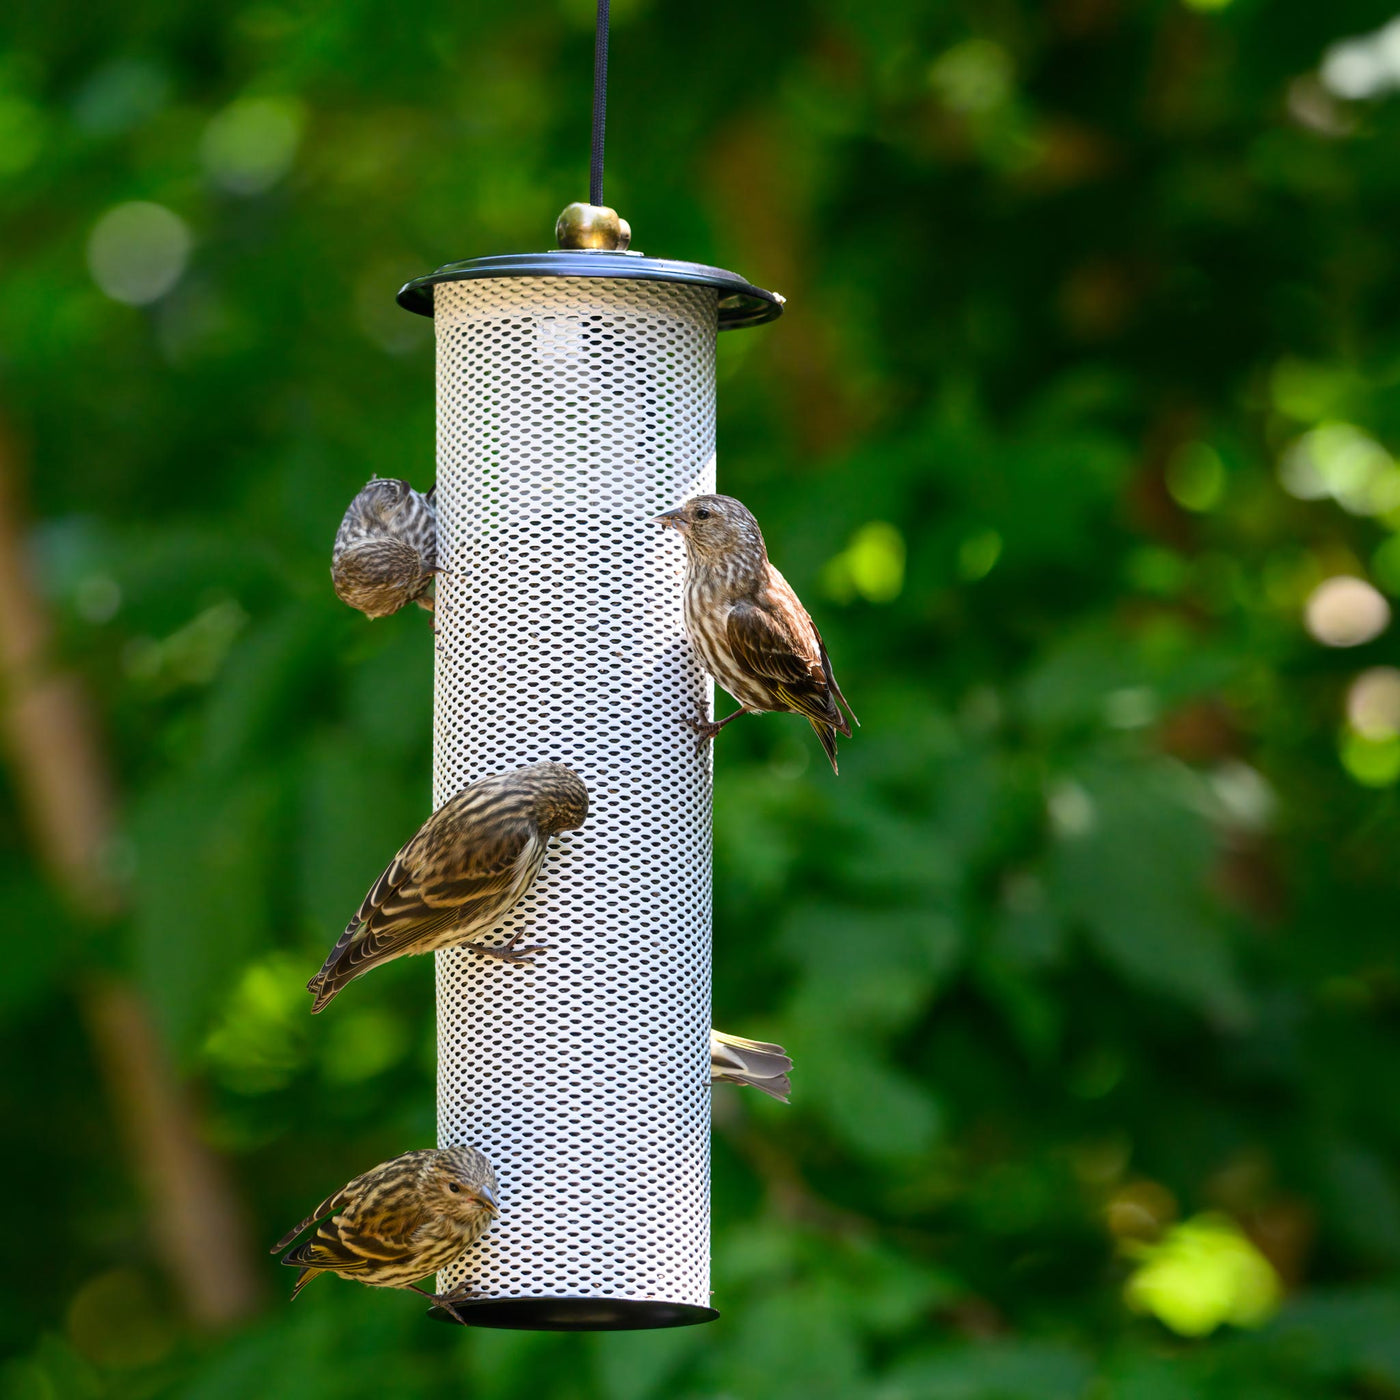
(453, 1187)
(702, 515)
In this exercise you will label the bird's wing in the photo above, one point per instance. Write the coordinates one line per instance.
(471, 864)
(396, 874)
(326, 1251)
(455, 871)
(774, 639)
(346, 1199)
(765, 643)
(336, 1201)
(363, 1223)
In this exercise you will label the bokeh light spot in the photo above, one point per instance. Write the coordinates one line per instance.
(1341, 461)
(260, 1040)
(1371, 762)
(1346, 612)
(974, 76)
(1196, 476)
(1365, 66)
(978, 555)
(1071, 810)
(251, 144)
(1205, 1272)
(1373, 703)
(872, 565)
(138, 251)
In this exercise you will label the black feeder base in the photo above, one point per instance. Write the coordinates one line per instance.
(574, 1314)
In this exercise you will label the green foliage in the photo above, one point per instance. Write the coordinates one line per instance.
(1087, 381)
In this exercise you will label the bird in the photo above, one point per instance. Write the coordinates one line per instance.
(756, 1063)
(407, 1217)
(385, 552)
(750, 630)
(464, 870)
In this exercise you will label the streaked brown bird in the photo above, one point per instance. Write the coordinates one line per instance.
(751, 632)
(399, 1221)
(755, 1063)
(466, 868)
(385, 552)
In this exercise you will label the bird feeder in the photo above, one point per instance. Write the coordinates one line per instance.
(576, 402)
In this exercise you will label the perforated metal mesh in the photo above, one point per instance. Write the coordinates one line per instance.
(570, 413)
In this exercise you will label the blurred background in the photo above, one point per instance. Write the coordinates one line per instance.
(1076, 438)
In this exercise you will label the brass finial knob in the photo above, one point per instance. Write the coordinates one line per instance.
(592, 226)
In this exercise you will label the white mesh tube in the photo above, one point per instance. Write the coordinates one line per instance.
(571, 411)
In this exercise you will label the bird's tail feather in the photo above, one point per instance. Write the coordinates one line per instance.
(327, 986)
(754, 1063)
(303, 1278)
(827, 734)
(841, 701)
(332, 977)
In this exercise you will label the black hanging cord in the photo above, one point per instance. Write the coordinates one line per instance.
(600, 104)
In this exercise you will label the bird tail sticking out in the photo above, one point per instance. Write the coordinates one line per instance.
(841, 701)
(332, 978)
(755, 1063)
(296, 1258)
(827, 735)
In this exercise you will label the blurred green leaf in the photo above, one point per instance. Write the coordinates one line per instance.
(1005, 1370)
(202, 895)
(1132, 863)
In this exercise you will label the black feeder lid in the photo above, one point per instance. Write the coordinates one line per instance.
(740, 304)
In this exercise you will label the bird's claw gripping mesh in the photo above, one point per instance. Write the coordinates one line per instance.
(571, 412)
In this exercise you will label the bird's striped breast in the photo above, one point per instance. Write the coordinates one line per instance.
(705, 616)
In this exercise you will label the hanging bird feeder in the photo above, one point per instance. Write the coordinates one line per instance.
(576, 402)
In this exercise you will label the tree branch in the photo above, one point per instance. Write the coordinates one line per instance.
(64, 787)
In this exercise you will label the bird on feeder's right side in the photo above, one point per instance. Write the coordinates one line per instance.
(750, 629)
(756, 1064)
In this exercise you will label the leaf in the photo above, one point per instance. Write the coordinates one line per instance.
(1001, 1370)
(203, 859)
(356, 811)
(269, 674)
(1133, 870)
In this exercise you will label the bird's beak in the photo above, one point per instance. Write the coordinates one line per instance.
(673, 519)
(487, 1197)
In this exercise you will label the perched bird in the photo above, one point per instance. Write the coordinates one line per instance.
(751, 632)
(734, 1060)
(385, 552)
(464, 871)
(399, 1221)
